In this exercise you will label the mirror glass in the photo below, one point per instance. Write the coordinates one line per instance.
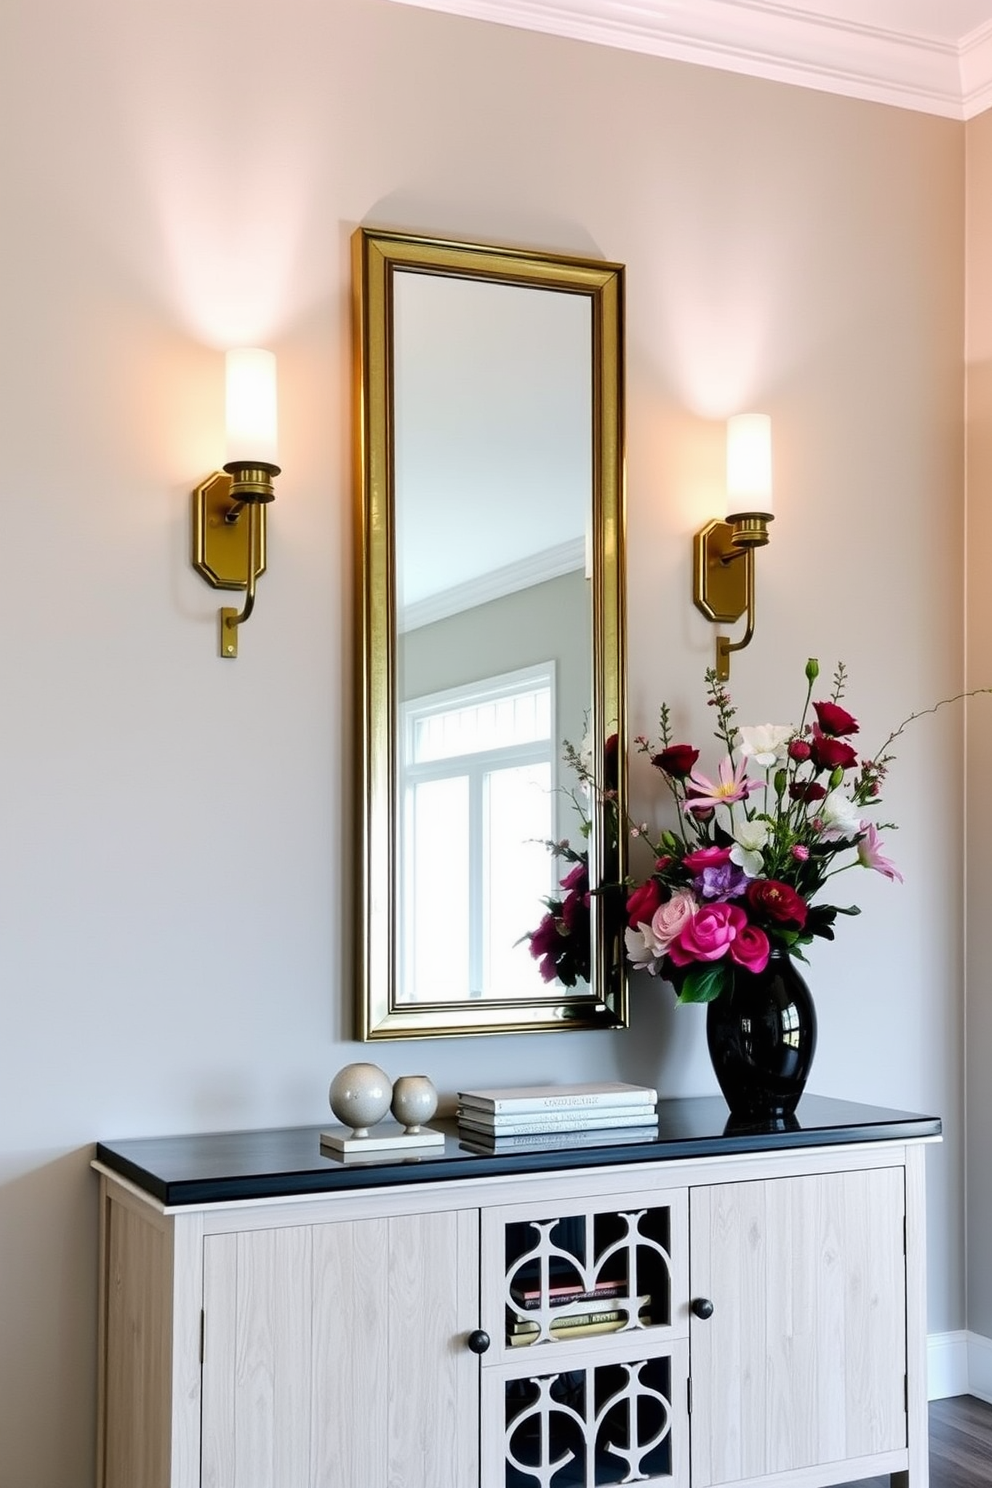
(490, 526)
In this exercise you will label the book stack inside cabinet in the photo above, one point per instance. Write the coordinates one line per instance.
(512, 1118)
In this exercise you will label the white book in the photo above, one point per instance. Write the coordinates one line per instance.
(553, 1120)
(558, 1097)
(647, 1117)
(538, 1142)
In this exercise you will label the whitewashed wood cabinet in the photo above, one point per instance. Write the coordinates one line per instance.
(747, 1317)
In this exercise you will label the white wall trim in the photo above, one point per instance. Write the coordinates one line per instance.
(959, 1364)
(980, 1366)
(762, 38)
(536, 568)
(976, 71)
(947, 1365)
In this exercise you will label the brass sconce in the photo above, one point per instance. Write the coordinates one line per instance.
(723, 551)
(229, 553)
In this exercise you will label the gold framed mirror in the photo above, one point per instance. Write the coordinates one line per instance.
(490, 550)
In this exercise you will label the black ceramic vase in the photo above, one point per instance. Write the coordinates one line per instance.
(762, 1037)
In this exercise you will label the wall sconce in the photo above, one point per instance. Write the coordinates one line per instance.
(723, 551)
(229, 552)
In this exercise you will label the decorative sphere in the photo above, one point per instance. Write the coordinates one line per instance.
(360, 1096)
(414, 1101)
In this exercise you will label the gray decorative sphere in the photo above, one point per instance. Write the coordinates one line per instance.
(414, 1102)
(360, 1095)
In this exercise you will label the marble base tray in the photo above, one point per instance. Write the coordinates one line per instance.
(390, 1138)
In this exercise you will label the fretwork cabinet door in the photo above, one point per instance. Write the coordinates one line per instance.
(802, 1362)
(584, 1384)
(334, 1355)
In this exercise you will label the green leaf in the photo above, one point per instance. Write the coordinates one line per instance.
(703, 983)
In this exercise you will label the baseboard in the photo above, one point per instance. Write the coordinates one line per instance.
(980, 1366)
(947, 1365)
(959, 1364)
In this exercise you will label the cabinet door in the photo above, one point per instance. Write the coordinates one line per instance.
(335, 1357)
(585, 1383)
(803, 1359)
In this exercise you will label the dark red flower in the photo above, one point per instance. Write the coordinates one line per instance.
(643, 902)
(577, 878)
(835, 720)
(800, 791)
(799, 750)
(676, 761)
(827, 753)
(544, 942)
(610, 755)
(776, 901)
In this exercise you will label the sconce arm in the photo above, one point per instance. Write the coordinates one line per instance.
(231, 618)
(725, 647)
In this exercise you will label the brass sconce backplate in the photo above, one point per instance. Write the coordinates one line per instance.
(220, 547)
(722, 573)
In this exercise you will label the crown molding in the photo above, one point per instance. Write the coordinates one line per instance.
(762, 38)
(976, 71)
(536, 568)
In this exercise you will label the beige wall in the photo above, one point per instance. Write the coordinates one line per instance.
(978, 1040)
(174, 831)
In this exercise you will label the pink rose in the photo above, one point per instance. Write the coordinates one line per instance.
(670, 918)
(750, 948)
(708, 935)
(706, 857)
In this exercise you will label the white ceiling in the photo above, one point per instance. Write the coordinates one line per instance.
(934, 56)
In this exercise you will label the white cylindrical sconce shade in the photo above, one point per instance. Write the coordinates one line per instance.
(252, 422)
(749, 464)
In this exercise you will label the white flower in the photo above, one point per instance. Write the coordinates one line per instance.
(749, 838)
(643, 950)
(765, 743)
(839, 815)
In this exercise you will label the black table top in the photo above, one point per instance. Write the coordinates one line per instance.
(222, 1167)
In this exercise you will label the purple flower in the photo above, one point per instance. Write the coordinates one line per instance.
(725, 882)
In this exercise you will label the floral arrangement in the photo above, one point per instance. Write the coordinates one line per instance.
(562, 942)
(754, 847)
(740, 876)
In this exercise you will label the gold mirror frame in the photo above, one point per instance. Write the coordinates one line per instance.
(377, 255)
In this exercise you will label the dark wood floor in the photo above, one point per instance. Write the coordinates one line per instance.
(960, 1445)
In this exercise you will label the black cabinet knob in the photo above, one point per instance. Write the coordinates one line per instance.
(478, 1341)
(703, 1308)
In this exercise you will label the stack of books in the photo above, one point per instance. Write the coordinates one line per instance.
(601, 1317)
(516, 1117)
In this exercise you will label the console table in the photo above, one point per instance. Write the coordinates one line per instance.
(709, 1305)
